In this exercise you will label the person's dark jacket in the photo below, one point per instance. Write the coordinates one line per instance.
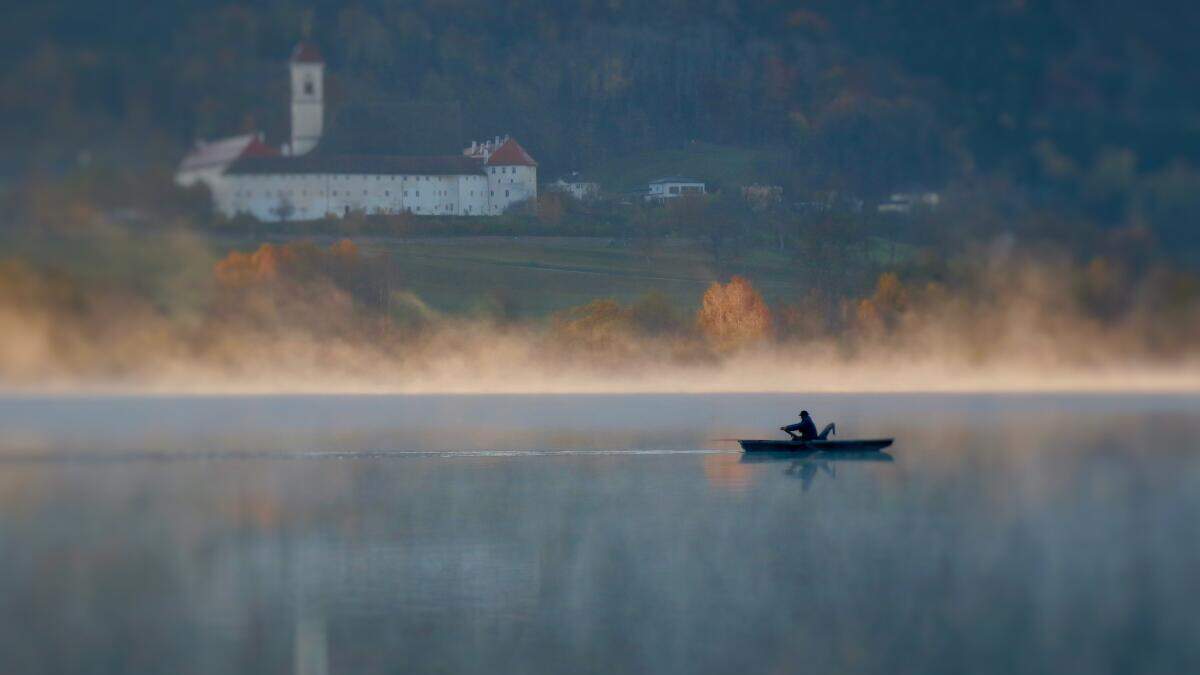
(806, 428)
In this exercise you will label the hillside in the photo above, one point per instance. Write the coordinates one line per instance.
(719, 165)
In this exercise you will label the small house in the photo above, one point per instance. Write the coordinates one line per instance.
(577, 186)
(673, 187)
(905, 202)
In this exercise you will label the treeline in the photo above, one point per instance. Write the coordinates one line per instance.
(1044, 118)
(867, 95)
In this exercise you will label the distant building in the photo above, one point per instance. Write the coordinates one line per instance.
(762, 197)
(376, 158)
(308, 99)
(577, 186)
(672, 187)
(905, 202)
(208, 161)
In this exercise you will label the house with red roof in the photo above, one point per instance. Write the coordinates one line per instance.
(380, 157)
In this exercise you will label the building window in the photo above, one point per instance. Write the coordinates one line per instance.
(506, 193)
(308, 87)
(387, 193)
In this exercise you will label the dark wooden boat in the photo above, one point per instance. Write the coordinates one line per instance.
(857, 446)
(791, 456)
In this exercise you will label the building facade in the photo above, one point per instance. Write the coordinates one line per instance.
(380, 158)
(673, 187)
(577, 186)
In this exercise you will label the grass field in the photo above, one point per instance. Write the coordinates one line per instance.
(715, 164)
(540, 275)
(533, 276)
(537, 276)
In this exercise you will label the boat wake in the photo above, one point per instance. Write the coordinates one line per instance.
(239, 455)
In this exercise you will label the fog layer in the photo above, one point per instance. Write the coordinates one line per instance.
(299, 318)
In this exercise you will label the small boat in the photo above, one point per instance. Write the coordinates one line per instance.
(768, 456)
(862, 445)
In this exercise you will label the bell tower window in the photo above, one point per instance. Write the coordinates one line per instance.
(308, 87)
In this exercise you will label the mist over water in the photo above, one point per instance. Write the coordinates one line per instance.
(1011, 533)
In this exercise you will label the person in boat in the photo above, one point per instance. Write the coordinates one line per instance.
(806, 429)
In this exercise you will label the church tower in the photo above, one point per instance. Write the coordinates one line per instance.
(308, 91)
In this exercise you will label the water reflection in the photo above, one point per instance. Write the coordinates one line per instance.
(806, 465)
(726, 471)
(311, 640)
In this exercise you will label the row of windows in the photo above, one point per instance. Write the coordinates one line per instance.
(346, 193)
(346, 209)
(504, 169)
(347, 177)
(332, 193)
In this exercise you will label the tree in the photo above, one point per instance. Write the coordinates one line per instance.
(734, 315)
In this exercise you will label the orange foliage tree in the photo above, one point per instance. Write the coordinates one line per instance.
(294, 261)
(882, 311)
(734, 315)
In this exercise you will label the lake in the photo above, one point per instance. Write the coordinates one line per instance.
(580, 534)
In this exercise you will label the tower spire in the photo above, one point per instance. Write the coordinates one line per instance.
(308, 97)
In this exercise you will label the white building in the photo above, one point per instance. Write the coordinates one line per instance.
(208, 161)
(380, 158)
(906, 202)
(673, 187)
(577, 186)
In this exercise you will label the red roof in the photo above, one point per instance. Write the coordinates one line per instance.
(510, 153)
(225, 151)
(306, 52)
(257, 148)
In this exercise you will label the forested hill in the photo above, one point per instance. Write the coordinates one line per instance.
(866, 96)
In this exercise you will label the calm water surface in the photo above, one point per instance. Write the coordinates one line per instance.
(528, 534)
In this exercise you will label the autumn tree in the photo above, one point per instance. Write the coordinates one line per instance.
(734, 315)
(882, 311)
